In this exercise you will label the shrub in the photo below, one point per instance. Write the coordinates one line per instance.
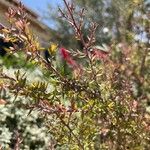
(98, 104)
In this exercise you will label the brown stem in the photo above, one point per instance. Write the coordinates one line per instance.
(79, 33)
(18, 141)
(49, 66)
(78, 140)
(77, 29)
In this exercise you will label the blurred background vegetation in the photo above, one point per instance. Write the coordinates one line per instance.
(122, 21)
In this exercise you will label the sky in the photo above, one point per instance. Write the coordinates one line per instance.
(39, 6)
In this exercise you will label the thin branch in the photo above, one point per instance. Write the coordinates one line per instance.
(18, 141)
(71, 131)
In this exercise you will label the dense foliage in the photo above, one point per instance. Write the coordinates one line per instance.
(92, 98)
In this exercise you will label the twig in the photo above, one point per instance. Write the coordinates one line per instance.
(66, 125)
(78, 32)
(18, 141)
(78, 28)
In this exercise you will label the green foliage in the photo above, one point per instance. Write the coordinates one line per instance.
(14, 117)
(101, 104)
